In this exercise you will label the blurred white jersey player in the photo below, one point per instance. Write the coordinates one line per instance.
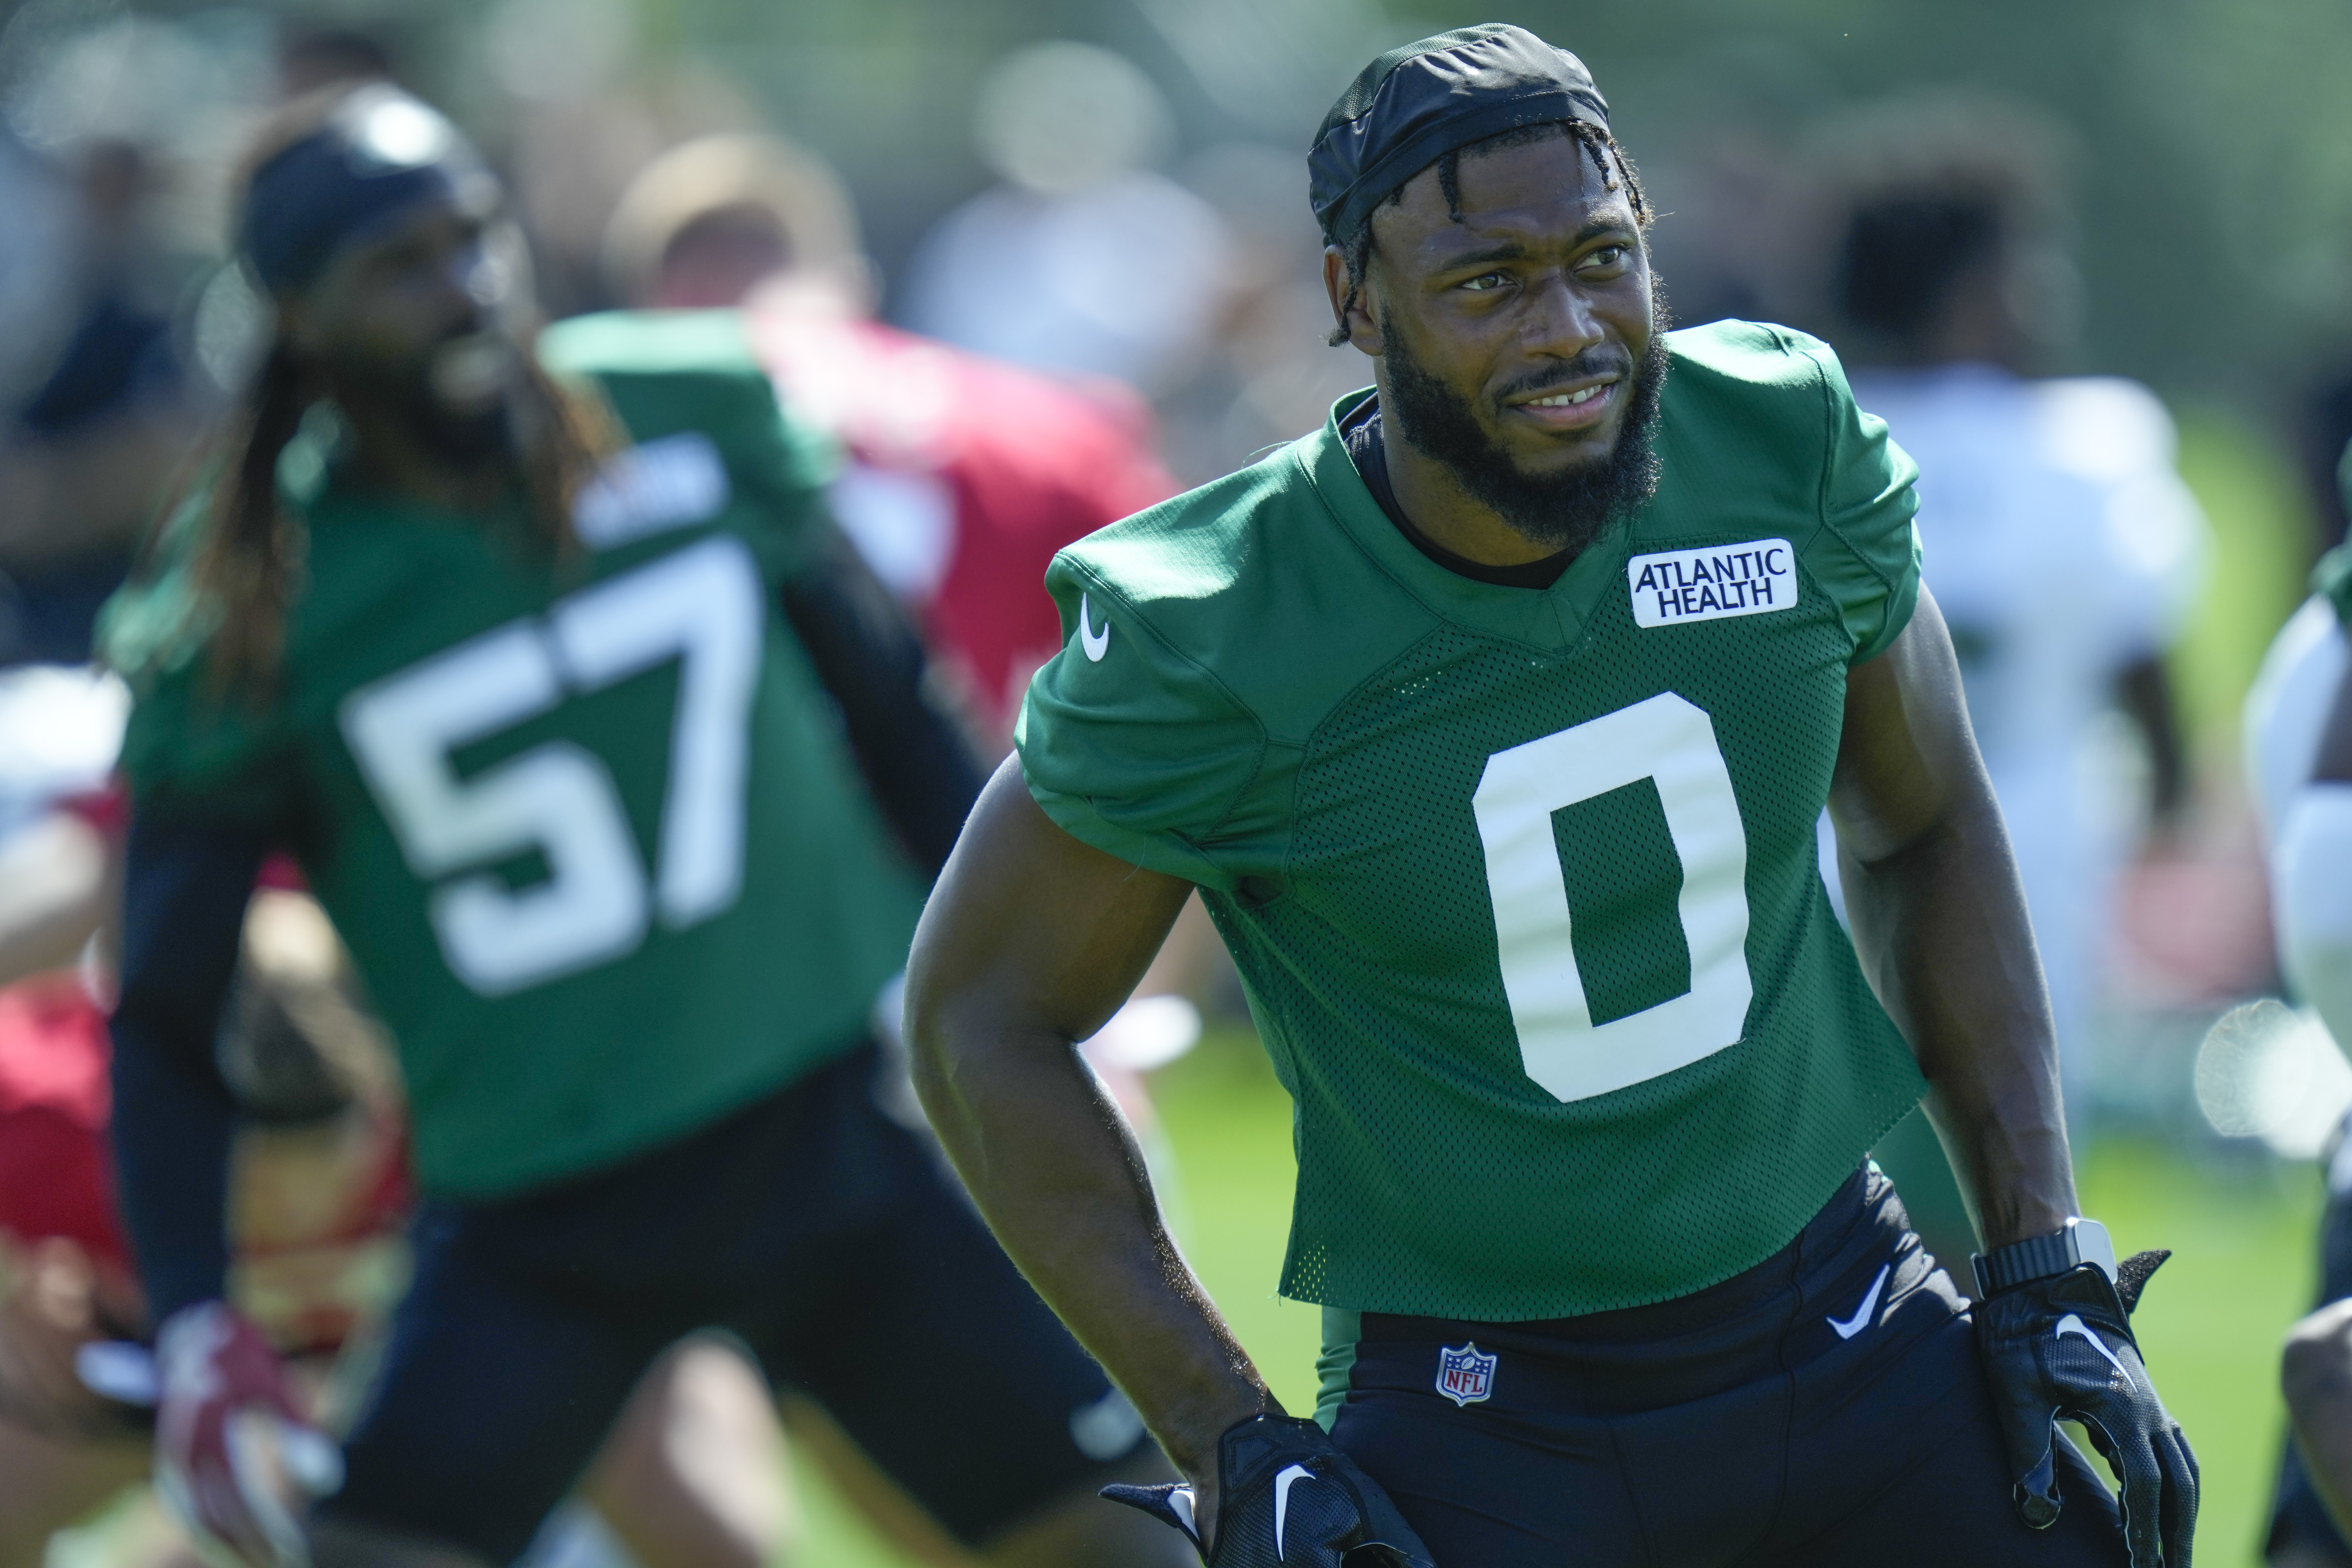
(2298, 759)
(2306, 820)
(2059, 539)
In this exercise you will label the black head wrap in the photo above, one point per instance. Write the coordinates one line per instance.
(380, 154)
(1416, 104)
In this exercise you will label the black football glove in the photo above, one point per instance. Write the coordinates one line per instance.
(2062, 1347)
(1287, 1497)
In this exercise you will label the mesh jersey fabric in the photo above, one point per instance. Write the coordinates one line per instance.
(590, 831)
(1526, 1081)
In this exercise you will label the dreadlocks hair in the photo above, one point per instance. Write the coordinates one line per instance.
(1608, 157)
(248, 552)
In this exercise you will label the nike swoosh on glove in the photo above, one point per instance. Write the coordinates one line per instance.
(2062, 1347)
(1287, 1497)
(234, 1457)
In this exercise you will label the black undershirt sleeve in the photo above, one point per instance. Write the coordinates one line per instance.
(917, 762)
(184, 891)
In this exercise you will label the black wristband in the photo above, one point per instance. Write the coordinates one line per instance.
(2077, 1242)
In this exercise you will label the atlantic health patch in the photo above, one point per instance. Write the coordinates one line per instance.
(1712, 583)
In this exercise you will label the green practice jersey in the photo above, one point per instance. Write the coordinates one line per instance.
(1522, 882)
(589, 829)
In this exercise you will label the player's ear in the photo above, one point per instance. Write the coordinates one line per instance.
(1335, 287)
(1354, 320)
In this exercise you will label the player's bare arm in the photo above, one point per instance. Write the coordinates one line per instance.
(2316, 1376)
(1031, 941)
(1940, 927)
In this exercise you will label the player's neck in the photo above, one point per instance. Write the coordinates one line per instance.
(1449, 516)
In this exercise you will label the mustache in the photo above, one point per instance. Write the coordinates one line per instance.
(1598, 360)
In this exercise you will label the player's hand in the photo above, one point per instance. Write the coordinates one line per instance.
(1287, 1497)
(234, 1458)
(2062, 1347)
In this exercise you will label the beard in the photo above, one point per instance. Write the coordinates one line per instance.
(1562, 512)
(466, 439)
(452, 399)
(459, 406)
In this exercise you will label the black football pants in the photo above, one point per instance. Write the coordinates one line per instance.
(1824, 1409)
(825, 1237)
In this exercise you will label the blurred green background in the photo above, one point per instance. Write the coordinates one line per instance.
(2212, 139)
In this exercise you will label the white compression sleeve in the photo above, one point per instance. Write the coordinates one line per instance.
(2311, 894)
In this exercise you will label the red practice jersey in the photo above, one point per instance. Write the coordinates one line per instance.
(964, 476)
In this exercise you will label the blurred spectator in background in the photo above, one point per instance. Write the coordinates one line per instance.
(962, 476)
(97, 416)
(1046, 269)
(321, 57)
(320, 1173)
(1271, 374)
(2298, 757)
(2059, 540)
(65, 1268)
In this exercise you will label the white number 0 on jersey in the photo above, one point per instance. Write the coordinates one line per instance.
(1671, 742)
(701, 606)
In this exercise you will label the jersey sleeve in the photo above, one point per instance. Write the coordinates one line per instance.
(1865, 553)
(1132, 745)
(191, 752)
(691, 374)
(193, 756)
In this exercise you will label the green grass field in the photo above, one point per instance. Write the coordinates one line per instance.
(2211, 1327)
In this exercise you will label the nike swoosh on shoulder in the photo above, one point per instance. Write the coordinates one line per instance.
(1281, 1484)
(1097, 644)
(1861, 1318)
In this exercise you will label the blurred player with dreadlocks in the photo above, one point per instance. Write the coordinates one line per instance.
(549, 666)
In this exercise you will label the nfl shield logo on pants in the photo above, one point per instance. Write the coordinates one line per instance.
(1463, 1375)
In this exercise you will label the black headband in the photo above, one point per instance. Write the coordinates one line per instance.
(379, 155)
(1414, 105)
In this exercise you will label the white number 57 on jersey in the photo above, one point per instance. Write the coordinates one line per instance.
(701, 606)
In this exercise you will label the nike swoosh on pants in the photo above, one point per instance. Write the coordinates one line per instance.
(1861, 1318)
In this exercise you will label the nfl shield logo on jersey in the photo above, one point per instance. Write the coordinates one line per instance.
(1463, 1375)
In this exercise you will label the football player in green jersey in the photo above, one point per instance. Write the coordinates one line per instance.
(550, 672)
(1492, 722)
